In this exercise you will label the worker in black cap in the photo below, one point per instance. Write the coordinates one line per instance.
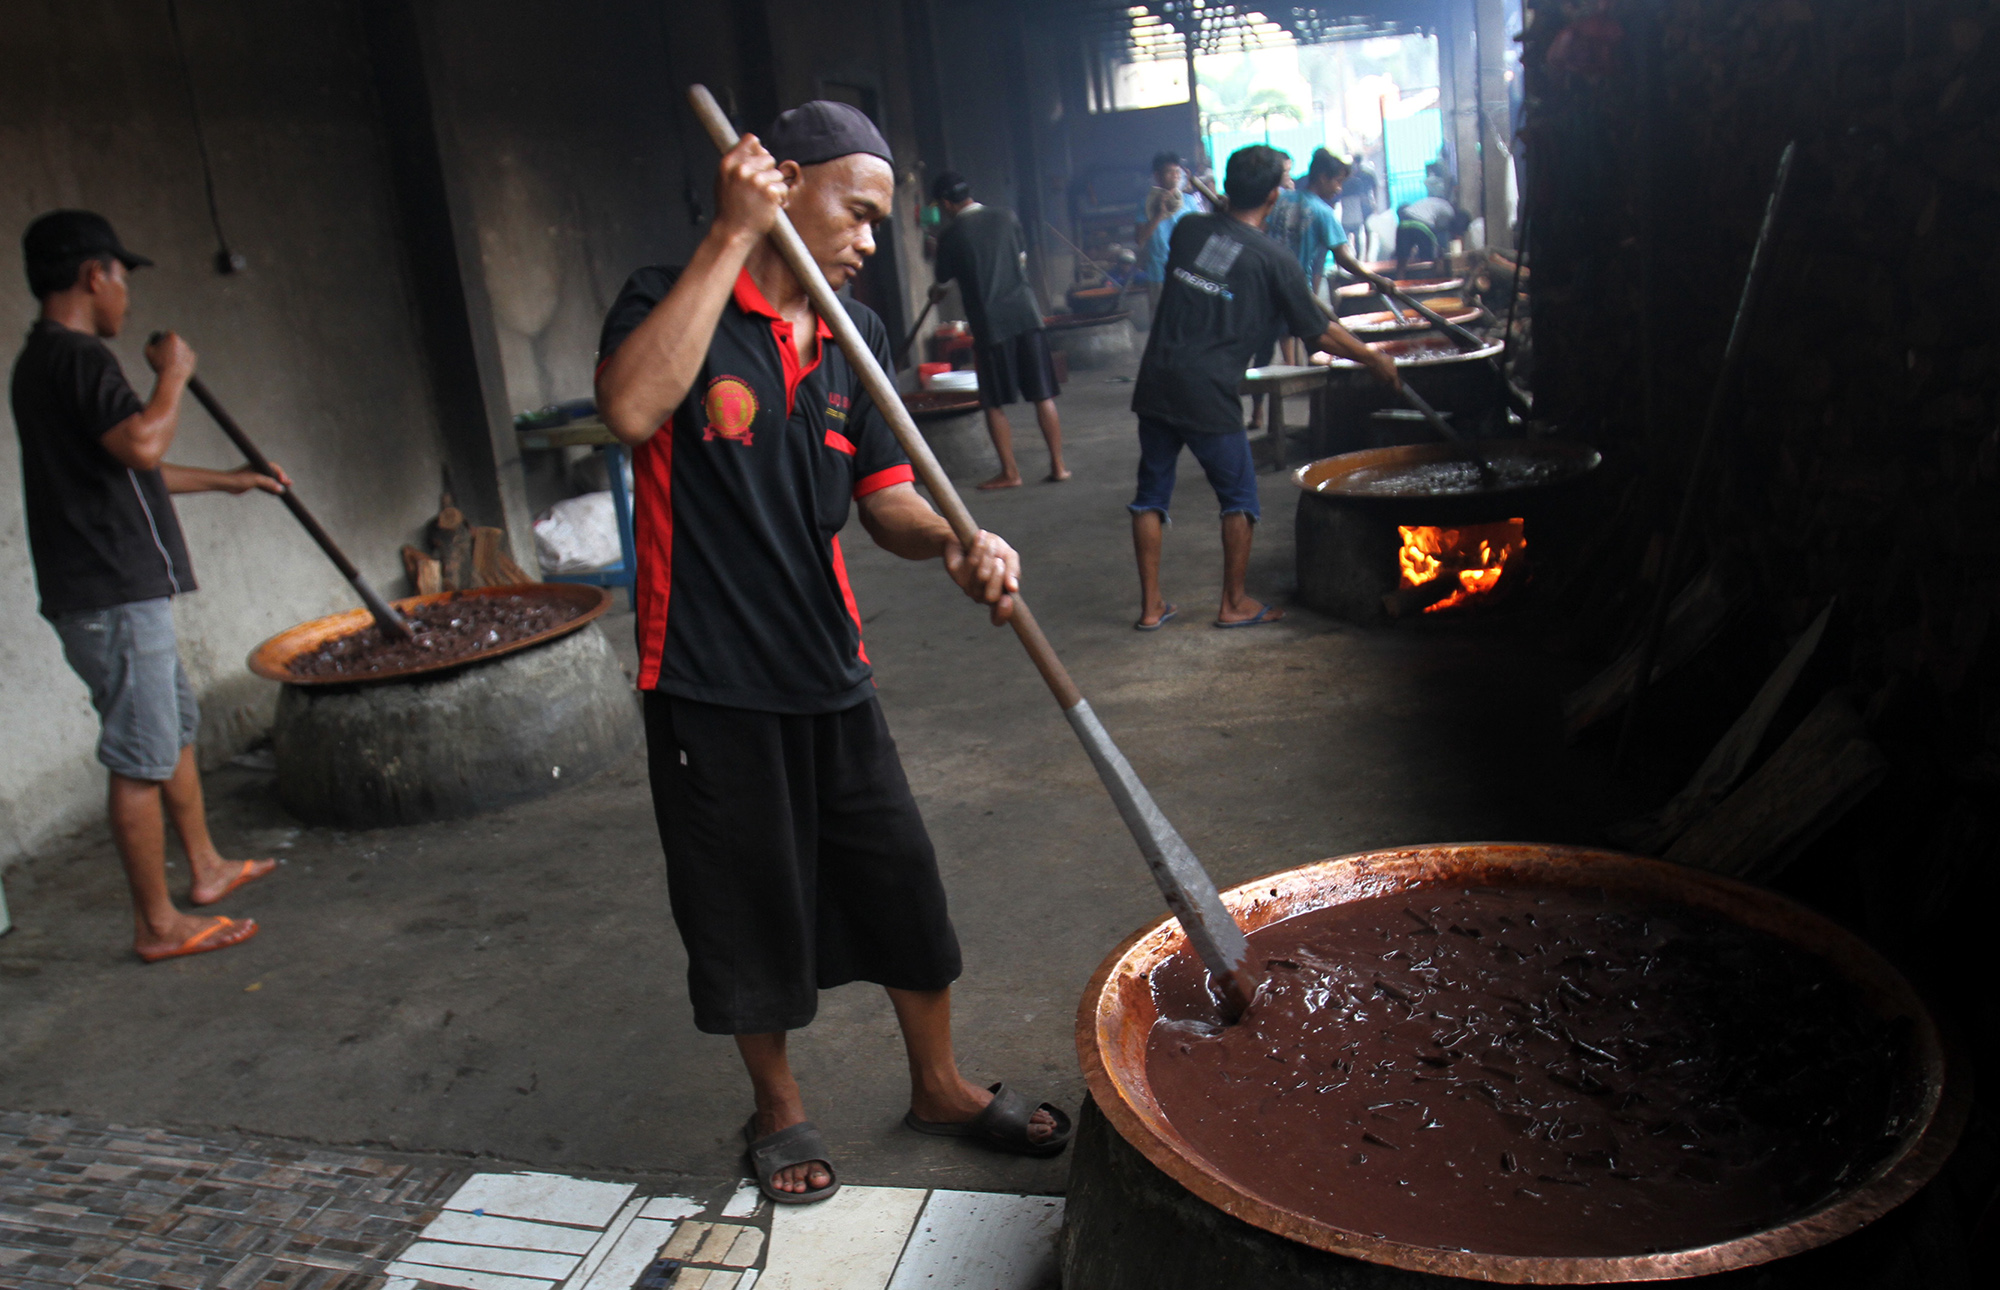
(796, 859)
(109, 557)
(981, 249)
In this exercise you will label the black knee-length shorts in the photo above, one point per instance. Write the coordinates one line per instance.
(796, 860)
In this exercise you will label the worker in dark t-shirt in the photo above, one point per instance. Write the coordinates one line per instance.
(981, 249)
(109, 557)
(1228, 286)
(796, 859)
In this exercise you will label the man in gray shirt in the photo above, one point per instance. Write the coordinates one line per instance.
(981, 250)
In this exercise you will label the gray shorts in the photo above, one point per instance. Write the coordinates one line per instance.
(128, 657)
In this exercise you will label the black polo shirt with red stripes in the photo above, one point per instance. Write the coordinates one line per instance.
(738, 505)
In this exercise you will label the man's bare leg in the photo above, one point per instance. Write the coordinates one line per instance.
(779, 1106)
(937, 1091)
(141, 837)
(1003, 447)
(1237, 530)
(1148, 528)
(1045, 413)
(212, 874)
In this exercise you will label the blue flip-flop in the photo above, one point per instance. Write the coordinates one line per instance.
(1258, 621)
(1165, 614)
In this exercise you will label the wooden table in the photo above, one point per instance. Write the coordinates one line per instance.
(1275, 382)
(595, 434)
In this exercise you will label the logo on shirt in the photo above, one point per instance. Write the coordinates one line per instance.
(1217, 255)
(1203, 284)
(731, 406)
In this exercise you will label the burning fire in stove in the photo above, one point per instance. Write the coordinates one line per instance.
(1470, 560)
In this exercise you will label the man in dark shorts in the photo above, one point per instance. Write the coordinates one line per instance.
(982, 251)
(1228, 285)
(796, 860)
(109, 557)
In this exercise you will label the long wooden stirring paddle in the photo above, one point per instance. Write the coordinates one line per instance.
(1190, 892)
(392, 624)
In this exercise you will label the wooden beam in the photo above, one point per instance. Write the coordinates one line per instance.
(1729, 759)
(1695, 619)
(1824, 768)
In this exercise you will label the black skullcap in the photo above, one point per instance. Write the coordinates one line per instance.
(950, 187)
(823, 131)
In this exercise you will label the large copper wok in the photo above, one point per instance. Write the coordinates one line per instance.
(272, 660)
(1117, 1014)
(1571, 465)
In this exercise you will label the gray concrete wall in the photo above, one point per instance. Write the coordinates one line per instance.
(313, 349)
(575, 158)
(583, 163)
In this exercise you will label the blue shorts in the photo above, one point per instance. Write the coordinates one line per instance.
(1224, 458)
(129, 658)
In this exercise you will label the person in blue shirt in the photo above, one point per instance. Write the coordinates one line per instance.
(1165, 204)
(1319, 232)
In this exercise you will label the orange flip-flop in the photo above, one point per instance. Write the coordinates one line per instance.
(218, 935)
(250, 872)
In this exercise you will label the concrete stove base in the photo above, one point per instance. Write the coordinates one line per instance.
(1346, 560)
(958, 436)
(470, 740)
(1093, 342)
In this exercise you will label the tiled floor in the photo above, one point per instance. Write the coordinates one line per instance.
(134, 1209)
(528, 1231)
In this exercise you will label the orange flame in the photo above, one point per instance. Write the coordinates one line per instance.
(1476, 554)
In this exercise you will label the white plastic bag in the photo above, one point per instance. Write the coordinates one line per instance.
(578, 535)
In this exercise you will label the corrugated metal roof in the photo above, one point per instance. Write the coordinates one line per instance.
(1161, 28)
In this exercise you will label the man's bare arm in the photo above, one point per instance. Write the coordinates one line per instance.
(1336, 339)
(903, 523)
(650, 373)
(200, 479)
(1343, 255)
(142, 439)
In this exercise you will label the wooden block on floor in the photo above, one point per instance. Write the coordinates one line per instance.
(749, 1244)
(715, 1246)
(545, 1198)
(487, 1258)
(709, 1279)
(848, 1242)
(982, 1241)
(685, 1239)
(512, 1233)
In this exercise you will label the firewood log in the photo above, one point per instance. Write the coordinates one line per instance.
(426, 574)
(491, 565)
(1825, 767)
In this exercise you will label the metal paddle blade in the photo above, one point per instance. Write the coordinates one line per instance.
(1190, 892)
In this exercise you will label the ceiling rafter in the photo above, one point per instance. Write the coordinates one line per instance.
(1135, 32)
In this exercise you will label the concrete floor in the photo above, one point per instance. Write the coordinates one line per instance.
(510, 987)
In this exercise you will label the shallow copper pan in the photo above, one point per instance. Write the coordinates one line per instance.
(1383, 324)
(272, 660)
(1322, 479)
(1116, 1017)
(1416, 288)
